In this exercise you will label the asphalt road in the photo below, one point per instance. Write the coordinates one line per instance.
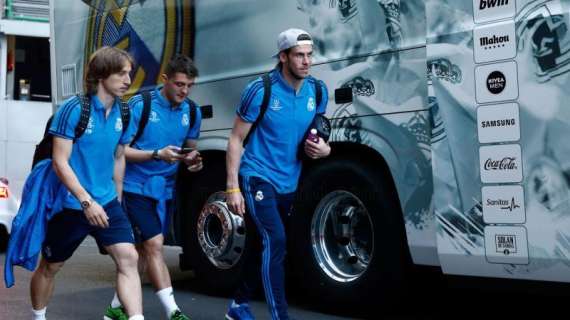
(85, 285)
(84, 288)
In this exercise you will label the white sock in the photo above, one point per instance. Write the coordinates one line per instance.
(234, 304)
(137, 317)
(40, 314)
(166, 297)
(116, 302)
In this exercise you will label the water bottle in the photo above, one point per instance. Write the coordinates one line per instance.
(312, 136)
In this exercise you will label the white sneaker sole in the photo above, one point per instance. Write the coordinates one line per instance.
(106, 318)
(227, 318)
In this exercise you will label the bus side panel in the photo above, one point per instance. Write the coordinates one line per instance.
(501, 166)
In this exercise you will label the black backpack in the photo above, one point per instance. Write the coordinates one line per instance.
(44, 148)
(265, 103)
(146, 95)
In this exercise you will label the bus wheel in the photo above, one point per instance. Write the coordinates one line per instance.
(210, 246)
(348, 244)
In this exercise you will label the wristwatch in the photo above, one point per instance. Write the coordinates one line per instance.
(155, 155)
(86, 203)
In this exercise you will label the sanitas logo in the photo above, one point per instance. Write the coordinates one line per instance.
(493, 42)
(496, 82)
(487, 4)
(498, 123)
(507, 163)
(503, 204)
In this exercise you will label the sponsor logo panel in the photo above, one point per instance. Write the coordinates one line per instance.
(496, 82)
(503, 204)
(500, 163)
(489, 10)
(498, 123)
(494, 42)
(506, 244)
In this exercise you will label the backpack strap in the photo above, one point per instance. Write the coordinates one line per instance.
(318, 92)
(125, 115)
(85, 101)
(192, 106)
(144, 116)
(264, 104)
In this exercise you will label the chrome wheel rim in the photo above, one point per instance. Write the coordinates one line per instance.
(342, 236)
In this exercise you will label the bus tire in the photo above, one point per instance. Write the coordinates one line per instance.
(360, 203)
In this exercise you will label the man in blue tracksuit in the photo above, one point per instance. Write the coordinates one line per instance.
(269, 168)
(91, 167)
(152, 161)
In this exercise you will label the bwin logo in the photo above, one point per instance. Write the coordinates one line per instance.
(487, 4)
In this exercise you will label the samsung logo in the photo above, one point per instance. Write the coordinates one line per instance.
(485, 4)
(498, 123)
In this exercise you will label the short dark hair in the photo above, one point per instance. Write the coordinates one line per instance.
(181, 64)
(279, 65)
(103, 63)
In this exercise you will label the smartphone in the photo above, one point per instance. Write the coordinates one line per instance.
(185, 150)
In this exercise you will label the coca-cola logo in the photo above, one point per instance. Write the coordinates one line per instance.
(507, 163)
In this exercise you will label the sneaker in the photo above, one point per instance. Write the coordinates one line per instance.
(239, 312)
(178, 315)
(115, 314)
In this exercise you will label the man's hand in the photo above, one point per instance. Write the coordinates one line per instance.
(194, 161)
(170, 154)
(236, 203)
(96, 215)
(317, 150)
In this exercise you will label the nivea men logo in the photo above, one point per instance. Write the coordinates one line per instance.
(489, 10)
(496, 82)
(501, 163)
(506, 163)
(506, 244)
(484, 4)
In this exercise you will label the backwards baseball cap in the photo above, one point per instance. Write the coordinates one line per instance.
(291, 38)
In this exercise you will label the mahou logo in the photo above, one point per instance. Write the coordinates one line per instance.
(501, 163)
(494, 42)
(488, 10)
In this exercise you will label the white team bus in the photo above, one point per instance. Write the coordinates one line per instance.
(449, 119)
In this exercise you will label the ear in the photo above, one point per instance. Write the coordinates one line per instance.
(164, 77)
(283, 57)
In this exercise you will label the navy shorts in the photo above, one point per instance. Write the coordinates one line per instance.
(68, 228)
(143, 214)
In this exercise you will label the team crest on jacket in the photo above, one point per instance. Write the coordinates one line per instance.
(118, 125)
(185, 120)
(153, 117)
(90, 126)
(259, 195)
(311, 104)
(276, 105)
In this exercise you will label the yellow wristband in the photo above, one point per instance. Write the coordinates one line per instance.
(234, 190)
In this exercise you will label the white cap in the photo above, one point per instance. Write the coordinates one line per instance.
(291, 38)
